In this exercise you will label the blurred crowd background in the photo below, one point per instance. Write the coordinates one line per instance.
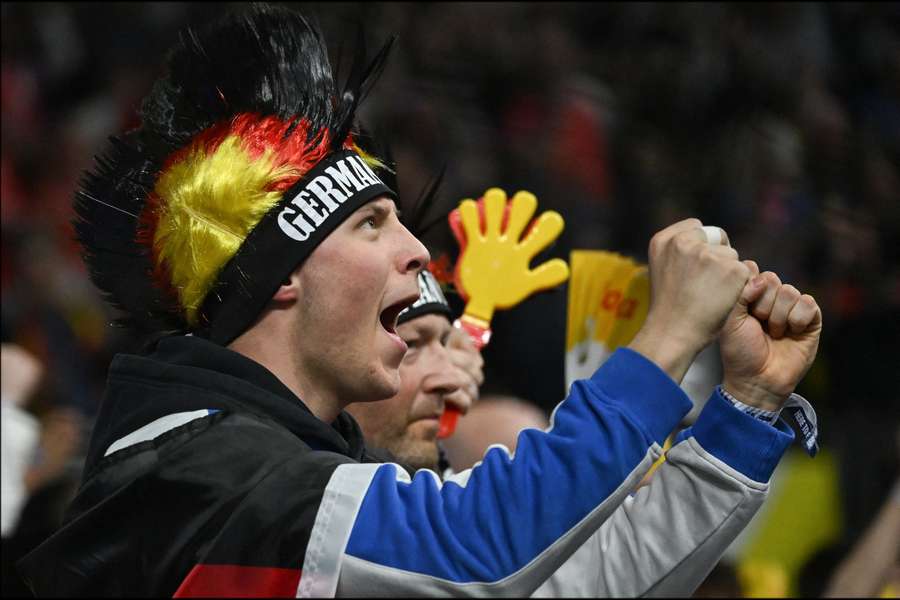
(779, 122)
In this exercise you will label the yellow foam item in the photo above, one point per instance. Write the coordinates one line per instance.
(494, 266)
(801, 516)
(609, 296)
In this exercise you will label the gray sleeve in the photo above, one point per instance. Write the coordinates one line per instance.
(666, 538)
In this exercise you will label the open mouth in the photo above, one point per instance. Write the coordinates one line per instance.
(389, 315)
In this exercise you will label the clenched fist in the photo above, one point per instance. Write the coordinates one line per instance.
(693, 287)
(769, 341)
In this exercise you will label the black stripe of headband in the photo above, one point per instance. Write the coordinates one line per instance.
(431, 300)
(310, 210)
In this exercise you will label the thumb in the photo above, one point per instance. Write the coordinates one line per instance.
(753, 291)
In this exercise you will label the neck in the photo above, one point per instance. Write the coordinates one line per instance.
(264, 343)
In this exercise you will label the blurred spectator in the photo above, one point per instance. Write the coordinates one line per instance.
(21, 374)
(873, 564)
(494, 419)
(39, 475)
(813, 577)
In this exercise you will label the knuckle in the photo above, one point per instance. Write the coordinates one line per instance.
(706, 259)
(685, 240)
(791, 292)
(740, 273)
(688, 246)
(771, 278)
(693, 222)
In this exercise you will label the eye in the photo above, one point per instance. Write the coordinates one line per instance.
(370, 222)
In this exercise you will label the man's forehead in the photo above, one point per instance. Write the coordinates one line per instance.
(383, 202)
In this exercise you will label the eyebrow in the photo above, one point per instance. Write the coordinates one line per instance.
(379, 208)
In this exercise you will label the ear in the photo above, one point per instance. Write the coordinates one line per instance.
(290, 288)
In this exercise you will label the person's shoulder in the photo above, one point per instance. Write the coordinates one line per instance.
(220, 440)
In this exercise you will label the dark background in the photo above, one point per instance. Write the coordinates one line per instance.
(779, 122)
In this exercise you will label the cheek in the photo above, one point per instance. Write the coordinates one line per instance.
(358, 296)
(381, 421)
(359, 266)
(342, 294)
(409, 383)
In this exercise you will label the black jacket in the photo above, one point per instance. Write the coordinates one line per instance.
(147, 514)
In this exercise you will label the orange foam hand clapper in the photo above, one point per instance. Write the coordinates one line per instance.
(498, 240)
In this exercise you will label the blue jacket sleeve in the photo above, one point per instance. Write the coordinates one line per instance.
(741, 441)
(513, 519)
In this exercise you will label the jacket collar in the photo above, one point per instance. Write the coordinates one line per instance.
(185, 373)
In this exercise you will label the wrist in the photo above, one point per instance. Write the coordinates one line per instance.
(767, 416)
(752, 394)
(671, 353)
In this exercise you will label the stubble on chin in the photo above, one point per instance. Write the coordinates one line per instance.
(413, 452)
(424, 458)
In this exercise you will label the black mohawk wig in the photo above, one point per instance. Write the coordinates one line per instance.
(264, 60)
(268, 60)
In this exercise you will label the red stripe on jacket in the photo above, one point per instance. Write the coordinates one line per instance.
(238, 582)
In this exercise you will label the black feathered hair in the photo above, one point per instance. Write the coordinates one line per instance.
(264, 60)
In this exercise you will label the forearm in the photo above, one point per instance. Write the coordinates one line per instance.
(665, 539)
(671, 354)
(864, 571)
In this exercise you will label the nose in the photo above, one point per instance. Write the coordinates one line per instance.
(460, 400)
(443, 378)
(415, 255)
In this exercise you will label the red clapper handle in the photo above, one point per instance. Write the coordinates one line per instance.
(480, 334)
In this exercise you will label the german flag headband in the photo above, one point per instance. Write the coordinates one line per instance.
(284, 237)
(248, 155)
